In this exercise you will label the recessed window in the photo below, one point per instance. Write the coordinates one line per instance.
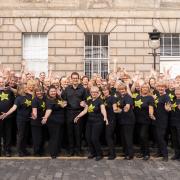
(170, 53)
(35, 52)
(96, 54)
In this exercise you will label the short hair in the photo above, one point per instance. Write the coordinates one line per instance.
(84, 77)
(50, 87)
(75, 73)
(106, 87)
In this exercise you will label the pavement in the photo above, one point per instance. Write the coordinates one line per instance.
(81, 168)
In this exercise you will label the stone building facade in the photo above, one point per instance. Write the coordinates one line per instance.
(127, 24)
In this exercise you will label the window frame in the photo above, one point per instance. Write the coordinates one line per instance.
(35, 60)
(100, 60)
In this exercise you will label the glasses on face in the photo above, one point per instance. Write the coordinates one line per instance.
(74, 78)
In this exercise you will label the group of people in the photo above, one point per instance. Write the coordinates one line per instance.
(132, 110)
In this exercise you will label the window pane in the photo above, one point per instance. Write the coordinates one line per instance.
(161, 41)
(104, 52)
(96, 40)
(96, 52)
(104, 40)
(88, 52)
(175, 41)
(88, 40)
(95, 66)
(175, 35)
(167, 35)
(167, 41)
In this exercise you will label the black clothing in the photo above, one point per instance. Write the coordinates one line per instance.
(127, 121)
(142, 104)
(40, 105)
(175, 127)
(74, 97)
(126, 117)
(24, 107)
(110, 128)
(55, 125)
(94, 126)
(36, 125)
(6, 102)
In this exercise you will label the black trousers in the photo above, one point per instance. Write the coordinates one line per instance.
(74, 130)
(22, 135)
(37, 136)
(144, 139)
(162, 144)
(93, 133)
(127, 139)
(175, 132)
(55, 133)
(6, 133)
(110, 130)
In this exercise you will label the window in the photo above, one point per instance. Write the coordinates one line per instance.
(96, 54)
(170, 45)
(170, 53)
(35, 52)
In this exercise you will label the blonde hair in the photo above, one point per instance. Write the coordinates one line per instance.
(21, 89)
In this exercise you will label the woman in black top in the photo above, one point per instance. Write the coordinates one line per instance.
(38, 111)
(126, 119)
(6, 102)
(144, 111)
(175, 124)
(162, 107)
(110, 103)
(96, 114)
(23, 106)
(54, 117)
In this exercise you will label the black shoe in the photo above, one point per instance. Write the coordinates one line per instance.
(147, 157)
(98, 158)
(91, 156)
(53, 157)
(21, 154)
(78, 153)
(71, 153)
(165, 159)
(157, 155)
(175, 158)
(111, 157)
(139, 156)
(128, 157)
(8, 154)
(26, 153)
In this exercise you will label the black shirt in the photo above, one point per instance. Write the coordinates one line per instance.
(6, 100)
(126, 117)
(57, 115)
(175, 114)
(74, 97)
(142, 104)
(113, 91)
(108, 102)
(94, 110)
(24, 107)
(160, 112)
(40, 104)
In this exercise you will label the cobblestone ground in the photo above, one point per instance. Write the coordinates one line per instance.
(84, 169)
